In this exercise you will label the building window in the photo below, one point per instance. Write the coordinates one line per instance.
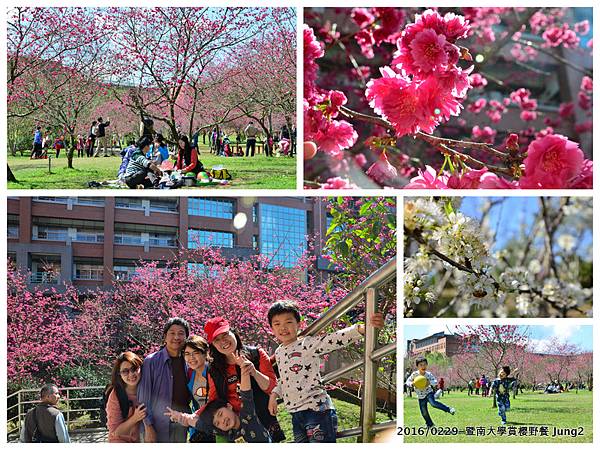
(62, 200)
(13, 231)
(92, 237)
(88, 271)
(129, 202)
(89, 201)
(164, 205)
(128, 239)
(45, 269)
(123, 273)
(282, 234)
(163, 240)
(211, 207)
(51, 234)
(206, 238)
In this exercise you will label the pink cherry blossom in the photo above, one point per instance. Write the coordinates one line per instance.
(566, 110)
(428, 179)
(338, 183)
(552, 162)
(428, 50)
(587, 84)
(478, 80)
(528, 116)
(382, 171)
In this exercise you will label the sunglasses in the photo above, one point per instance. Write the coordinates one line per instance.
(132, 371)
(195, 353)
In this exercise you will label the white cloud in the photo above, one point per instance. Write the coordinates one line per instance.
(563, 331)
(539, 345)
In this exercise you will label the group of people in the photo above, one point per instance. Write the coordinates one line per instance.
(222, 145)
(96, 141)
(43, 142)
(477, 385)
(217, 388)
(141, 161)
(428, 390)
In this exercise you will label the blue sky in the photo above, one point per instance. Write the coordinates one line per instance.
(580, 335)
(508, 216)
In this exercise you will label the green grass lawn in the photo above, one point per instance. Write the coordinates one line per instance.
(259, 172)
(566, 410)
(348, 417)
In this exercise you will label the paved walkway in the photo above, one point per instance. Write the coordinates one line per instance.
(90, 436)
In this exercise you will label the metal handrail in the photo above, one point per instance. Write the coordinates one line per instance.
(67, 399)
(366, 290)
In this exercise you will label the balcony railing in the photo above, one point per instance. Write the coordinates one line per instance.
(43, 278)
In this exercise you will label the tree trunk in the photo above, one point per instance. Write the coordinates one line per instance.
(70, 151)
(10, 175)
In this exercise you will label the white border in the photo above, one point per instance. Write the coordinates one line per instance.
(399, 194)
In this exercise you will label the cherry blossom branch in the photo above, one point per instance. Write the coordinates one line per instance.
(417, 236)
(559, 58)
(442, 144)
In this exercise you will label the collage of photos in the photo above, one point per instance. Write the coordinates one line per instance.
(292, 287)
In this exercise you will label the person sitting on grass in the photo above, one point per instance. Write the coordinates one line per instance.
(125, 157)
(219, 416)
(501, 387)
(159, 151)
(141, 171)
(314, 418)
(425, 392)
(187, 157)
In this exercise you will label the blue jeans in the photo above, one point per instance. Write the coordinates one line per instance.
(425, 412)
(503, 406)
(315, 426)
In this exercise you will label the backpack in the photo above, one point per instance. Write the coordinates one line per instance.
(124, 403)
(221, 174)
(261, 399)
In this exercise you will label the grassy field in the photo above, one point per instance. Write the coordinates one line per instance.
(259, 172)
(567, 410)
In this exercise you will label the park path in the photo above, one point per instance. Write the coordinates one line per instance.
(90, 436)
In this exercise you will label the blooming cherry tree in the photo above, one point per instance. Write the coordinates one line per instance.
(424, 98)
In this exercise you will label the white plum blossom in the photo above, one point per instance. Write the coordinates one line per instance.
(566, 242)
(445, 244)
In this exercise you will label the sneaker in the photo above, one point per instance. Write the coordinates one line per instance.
(452, 411)
(503, 423)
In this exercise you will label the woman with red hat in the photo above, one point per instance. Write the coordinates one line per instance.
(224, 374)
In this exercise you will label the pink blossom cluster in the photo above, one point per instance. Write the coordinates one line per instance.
(483, 134)
(562, 35)
(528, 105)
(552, 162)
(321, 107)
(377, 25)
(424, 86)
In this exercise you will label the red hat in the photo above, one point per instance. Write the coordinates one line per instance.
(214, 327)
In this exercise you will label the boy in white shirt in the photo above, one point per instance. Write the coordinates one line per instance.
(298, 359)
(425, 395)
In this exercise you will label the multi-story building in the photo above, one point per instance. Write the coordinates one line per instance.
(445, 344)
(92, 241)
